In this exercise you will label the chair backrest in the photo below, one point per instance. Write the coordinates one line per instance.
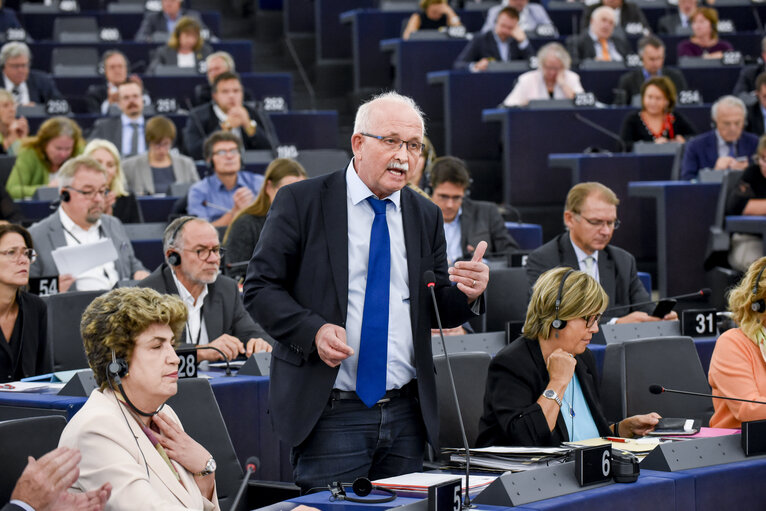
(631, 367)
(718, 238)
(74, 61)
(19, 438)
(146, 231)
(170, 70)
(179, 189)
(318, 162)
(201, 417)
(46, 193)
(6, 165)
(506, 297)
(470, 372)
(80, 25)
(642, 147)
(487, 342)
(64, 315)
(675, 170)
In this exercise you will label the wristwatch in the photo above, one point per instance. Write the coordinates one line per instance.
(209, 468)
(551, 394)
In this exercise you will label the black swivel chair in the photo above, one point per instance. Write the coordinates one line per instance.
(506, 297)
(64, 314)
(19, 438)
(632, 366)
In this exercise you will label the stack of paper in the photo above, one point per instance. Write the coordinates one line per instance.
(514, 459)
(417, 483)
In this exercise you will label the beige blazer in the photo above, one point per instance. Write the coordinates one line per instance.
(114, 449)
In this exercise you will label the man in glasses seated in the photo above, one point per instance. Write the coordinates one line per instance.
(217, 316)
(590, 215)
(80, 220)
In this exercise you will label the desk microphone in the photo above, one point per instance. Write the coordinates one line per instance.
(596, 126)
(658, 389)
(225, 358)
(430, 280)
(251, 466)
(702, 293)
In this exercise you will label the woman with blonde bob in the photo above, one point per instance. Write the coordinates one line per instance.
(738, 366)
(126, 435)
(119, 202)
(542, 389)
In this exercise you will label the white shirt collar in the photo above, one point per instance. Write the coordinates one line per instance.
(222, 116)
(127, 121)
(186, 296)
(358, 191)
(580, 253)
(69, 224)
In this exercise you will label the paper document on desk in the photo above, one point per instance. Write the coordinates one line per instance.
(77, 259)
(417, 483)
(635, 445)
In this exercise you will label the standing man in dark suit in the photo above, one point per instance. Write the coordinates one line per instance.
(590, 216)
(466, 222)
(29, 87)
(651, 49)
(337, 280)
(599, 42)
(757, 111)
(127, 132)
(226, 112)
(505, 43)
(217, 316)
(159, 25)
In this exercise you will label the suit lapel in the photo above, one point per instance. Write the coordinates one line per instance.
(335, 218)
(567, 253)
(212, 311)
(606, 275)
(410, 216)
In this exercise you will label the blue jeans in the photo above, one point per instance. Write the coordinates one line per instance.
(351, 440)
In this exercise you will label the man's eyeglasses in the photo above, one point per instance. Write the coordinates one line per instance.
(226, 152)
(394, 143)
(612, 224)
(204, 253)
(591, 320)
(16, 253)
(90, 194)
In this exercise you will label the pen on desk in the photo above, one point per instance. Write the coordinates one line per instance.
(7, 386)
(615, 439)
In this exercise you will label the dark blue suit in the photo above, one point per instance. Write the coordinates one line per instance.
(41, 87)
(485, 46)
(702, 152)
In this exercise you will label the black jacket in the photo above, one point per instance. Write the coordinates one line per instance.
(204, 117)
(485, 46)
(33, 357)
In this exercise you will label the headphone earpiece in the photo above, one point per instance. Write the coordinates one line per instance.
(558, 323)
(361, 488)
(760, 304)
(65, 196)
(174, 258)
(117, 368)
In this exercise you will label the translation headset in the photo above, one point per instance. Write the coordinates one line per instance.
(115, 371)
(65, 196)
(361, 488)
(558, 323)
(174, 258)
(758, 305)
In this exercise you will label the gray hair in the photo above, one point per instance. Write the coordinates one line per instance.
(362, 121)
(67, 171)
(223, 55)
(729, 100)
(554, 50)
(172, 237)
(111, 53)
(14, 49)
(649, 40)
(603, 9)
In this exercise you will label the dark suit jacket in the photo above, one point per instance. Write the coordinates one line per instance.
(11, 507)
(616, 271)
(204, 94)
(298, 280)
(96, 94)
(34, 357)
(632, 81)
(755, 119)
(108, 128)
(746, 79)
(516, 379)
(702, 152)
(223, 309)
(167, 56)
(154, 22)
(194, 140)
(581, 47)
(485, 46)
(481, 220)
(629, 13)
(668, 23)
(41, 87)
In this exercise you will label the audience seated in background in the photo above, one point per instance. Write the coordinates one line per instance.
(726, 146)
(226, 112)
(161, 166)
(678, 21)
(651, 49)
(216, 63)
(119, 202)
(23, 324)
(748, 197)
(738, 364)
(433, 15)
(466, 221)
(629, 18)
(245, 230)
(228, 190)
(28, 86)
(185, 48)
(506, 42)
(538, 384)
(599, 42)
(746, 80)
(9, 210)
(8, 18)
(118, 445)
(419, 176)
(551, 80)
(590, 217)
(704, 41)
(103, 98)
(155, 24)
(216, 314)
(126, 131)
(45, 482)
(41, 156)
(531, 16)
(79, 220)
(12, 129)
(656, 121)
(756, 113)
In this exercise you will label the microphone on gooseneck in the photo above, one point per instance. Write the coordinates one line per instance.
(251, 466)
(659, 389)
(225, 358)
(702, 293)
(430, 281)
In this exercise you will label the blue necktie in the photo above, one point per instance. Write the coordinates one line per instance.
(732, 149)
(373, 345)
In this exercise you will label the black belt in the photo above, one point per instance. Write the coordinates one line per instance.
(409, 390)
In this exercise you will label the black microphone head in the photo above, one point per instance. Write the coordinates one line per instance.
(254, 462)
(656, 389)
(705, 291)
(429, 279)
